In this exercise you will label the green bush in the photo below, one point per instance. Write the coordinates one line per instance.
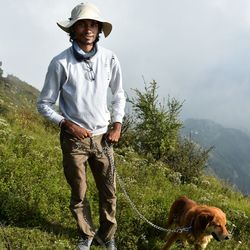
(188, 159)
(154, 131)
(156, 126)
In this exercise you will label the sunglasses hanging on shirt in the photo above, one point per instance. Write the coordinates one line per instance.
(90, 71)
(81, 56)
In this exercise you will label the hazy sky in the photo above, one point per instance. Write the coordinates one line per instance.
(197, 50)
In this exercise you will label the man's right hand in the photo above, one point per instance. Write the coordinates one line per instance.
(75, 130)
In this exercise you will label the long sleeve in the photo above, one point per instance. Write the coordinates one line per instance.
(83, 100)
(54, 79)
(119, 100)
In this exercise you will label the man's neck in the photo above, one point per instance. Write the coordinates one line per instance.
(86, 47)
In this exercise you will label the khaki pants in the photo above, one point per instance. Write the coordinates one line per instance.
(76, 154)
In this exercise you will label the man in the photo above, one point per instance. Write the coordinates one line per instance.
(82, 75)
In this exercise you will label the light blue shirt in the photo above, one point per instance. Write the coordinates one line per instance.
(82, 89)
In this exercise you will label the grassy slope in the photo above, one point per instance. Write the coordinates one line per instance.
(34, 195)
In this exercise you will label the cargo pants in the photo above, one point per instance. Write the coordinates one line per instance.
(76, 154)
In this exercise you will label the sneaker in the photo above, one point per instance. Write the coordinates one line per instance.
(84, 243)
(110, 245)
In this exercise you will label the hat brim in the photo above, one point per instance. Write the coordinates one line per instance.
(66, 25)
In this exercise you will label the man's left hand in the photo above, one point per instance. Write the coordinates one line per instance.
(114, 134)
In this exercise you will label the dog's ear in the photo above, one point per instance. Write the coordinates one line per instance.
(203, 220)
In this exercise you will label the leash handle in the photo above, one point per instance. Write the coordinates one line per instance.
(107, 142)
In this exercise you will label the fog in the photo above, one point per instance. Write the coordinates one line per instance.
(198, 51)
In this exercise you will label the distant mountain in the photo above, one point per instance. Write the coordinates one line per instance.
(230, 157)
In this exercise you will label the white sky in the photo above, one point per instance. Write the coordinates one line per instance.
(197, 50)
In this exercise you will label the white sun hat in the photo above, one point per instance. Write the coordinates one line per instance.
(85, 11)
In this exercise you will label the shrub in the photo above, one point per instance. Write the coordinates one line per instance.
(156, 126)
(189, 159)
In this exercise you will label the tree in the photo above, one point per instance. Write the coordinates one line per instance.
(156, 124)
(1, 71)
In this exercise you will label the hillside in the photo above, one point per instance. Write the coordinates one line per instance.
(230, 158)
(15, 93)
(34, 196)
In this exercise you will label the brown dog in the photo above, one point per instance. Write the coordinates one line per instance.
(206, 223)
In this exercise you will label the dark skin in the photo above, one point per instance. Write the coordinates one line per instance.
(86, 32)
(113, 135)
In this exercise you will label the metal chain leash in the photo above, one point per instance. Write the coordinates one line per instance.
(106, 151)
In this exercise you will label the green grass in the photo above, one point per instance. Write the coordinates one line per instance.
(34, 196)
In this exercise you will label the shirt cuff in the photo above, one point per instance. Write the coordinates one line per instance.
(57, 118)
(118, 118)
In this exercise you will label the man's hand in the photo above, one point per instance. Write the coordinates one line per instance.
(76, 130)
(114, 134)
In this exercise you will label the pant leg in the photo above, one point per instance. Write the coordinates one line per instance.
(75, 156)
(106, 186)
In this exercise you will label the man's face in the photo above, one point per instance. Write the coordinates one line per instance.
(86, 31)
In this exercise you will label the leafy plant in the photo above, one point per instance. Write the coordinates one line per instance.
(156, 125)
(189, 159)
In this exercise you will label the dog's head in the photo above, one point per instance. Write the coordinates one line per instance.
(213, 222)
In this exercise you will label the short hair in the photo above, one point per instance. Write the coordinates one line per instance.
(72, 33)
